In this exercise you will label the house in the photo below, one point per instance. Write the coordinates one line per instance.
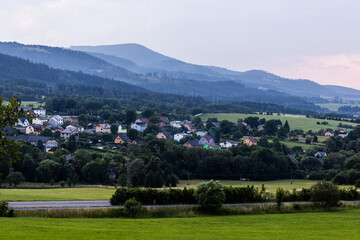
(228, 144)
(250, 141)
(48, 142)
(191, 143)
(140, 124)
(39, 120)
(179, 136)
(80, 128)
(164, 119)
(89, 131)
(72, 119)
(39, 111)
(329, 134)
(70, 130)
(261, 127)
(249, 128)
(138, 141)
(160, 124)
(56, 120)
(55, 128)
(206, 140)
(163, 135)
(343, 134)
(175, 124)
(34, 129)
(23, 122)
(121, 138)
(103, 128)
(201, 133)
(189, 126)
(122, 128)
(320, 155)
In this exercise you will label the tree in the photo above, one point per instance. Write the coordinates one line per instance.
(130, 116)
(210, 195)
(15, 178)
(279, 195)
(9, 115)
(325, 193)
(114, 129)
(147, 113)
(46, 133)
(133, 134)
(71, 144)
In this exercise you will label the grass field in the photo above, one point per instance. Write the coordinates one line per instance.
(29, 104)
(56, 194)
(295, 121)
(317, 225)
(334, 107)
(98, 193)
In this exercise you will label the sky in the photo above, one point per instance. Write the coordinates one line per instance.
(304, 39)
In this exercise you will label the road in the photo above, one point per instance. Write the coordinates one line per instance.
(44, 205)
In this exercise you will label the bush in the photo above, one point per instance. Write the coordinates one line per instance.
(280, 193)
(325, 193)
(62, 183)
(210, 195)
(5, 211)
(357, 183)
(132, 207)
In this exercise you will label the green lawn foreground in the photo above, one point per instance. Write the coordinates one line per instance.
(318, 225)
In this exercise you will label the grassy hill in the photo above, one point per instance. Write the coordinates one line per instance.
(295, 121)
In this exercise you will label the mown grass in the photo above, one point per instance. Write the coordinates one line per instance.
(295, 121)
(56, 194)
(314, 225)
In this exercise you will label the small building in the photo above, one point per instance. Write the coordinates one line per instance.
(163, 135)
(56, 120)
(103, 128)
(40, 120)
(47, 142)
(164, 119)
(201, 133)
(206, 140)
(179, 136)
(320, 155)
(228, 144)
(39, 111)
(138, 141)
(80, 128)
(140, 124)
(23, 122)
(55, 128)
(329, 134)
(250, 141)
(34, 129)
(70, 130)
(189, 126)
(122, 128)
(72, 119)
(192, 143)
(211, 146)
(175, 124)
(121, 138)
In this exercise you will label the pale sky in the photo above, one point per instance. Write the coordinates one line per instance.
(312, 39)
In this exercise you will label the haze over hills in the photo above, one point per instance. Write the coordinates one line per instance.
(154, 61)
(159, 73)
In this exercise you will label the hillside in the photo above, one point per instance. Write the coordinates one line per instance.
(152, 61)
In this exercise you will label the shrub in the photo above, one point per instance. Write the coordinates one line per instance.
(5, 211)
(357, 183)
(210, 195)
(280, 193)
(132, 207)
(62, 183)
(325, 193)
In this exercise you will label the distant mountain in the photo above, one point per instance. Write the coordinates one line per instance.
(148, 60)
(68, 60)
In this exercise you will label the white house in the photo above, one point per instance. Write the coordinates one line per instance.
(103, 128)
(179, 136)
(23, 122)
(140, 124)
(228, 144)
(175, 124)
(39, 120)
(69, 130)
(329, 134)
(56, 120)
(39, 111)
(201, 133)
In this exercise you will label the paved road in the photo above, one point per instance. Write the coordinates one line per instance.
(42, 205)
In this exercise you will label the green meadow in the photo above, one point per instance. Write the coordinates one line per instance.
(295, 121)
(334, 107)
(316, 225)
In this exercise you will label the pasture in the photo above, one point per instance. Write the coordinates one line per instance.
(295, 121)
(334, 107)
(33, 104)
(315, 225)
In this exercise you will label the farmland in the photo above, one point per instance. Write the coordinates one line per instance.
(316, 225)
(334, 107)
(295, 121)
